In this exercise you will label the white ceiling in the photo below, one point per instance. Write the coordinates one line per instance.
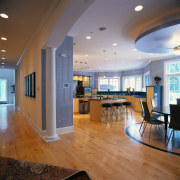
(118, 16)
(24, 18)
(123, 27)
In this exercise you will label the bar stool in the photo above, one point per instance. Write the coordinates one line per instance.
(107, 110)
(118, 107)
(127, 110)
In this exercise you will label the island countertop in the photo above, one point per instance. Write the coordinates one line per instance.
(108, 99)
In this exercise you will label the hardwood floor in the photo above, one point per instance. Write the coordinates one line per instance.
(102, 149)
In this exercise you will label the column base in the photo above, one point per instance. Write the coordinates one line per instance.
(49, 139)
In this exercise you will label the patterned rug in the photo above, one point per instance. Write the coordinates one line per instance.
(12, 169)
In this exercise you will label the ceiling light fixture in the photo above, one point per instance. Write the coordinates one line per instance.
(86, 55)
(3, 58)
(3, 38)
(114, 44)
(138, 8)
(3, 15)
(3, 50)
(2, 63)
(88, 37)
(176, 51)
(134, 49)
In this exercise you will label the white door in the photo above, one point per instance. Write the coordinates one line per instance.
(3, 90)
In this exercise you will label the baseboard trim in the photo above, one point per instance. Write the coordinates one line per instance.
(32, 124)
(65, 130)
(42, 133)
(18, 108)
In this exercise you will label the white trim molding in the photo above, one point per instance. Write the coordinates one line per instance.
(32, 124)
(65, 130)
(42, 133)
(166, 82)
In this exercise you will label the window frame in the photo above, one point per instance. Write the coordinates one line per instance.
(124, 77)
(145, 74)
(99, 78)
(166, 84)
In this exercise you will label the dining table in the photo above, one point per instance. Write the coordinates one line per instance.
(164, 110)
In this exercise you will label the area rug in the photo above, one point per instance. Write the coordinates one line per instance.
(13, 169)
(157, 139)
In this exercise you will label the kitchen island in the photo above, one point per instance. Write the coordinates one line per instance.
(96, 107)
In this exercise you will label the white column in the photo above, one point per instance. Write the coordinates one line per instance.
(51, 95)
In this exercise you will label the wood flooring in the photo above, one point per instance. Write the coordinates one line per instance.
(102, 149)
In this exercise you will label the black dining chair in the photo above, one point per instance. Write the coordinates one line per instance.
(142, 114)
(174, 119)
(178, 101)
(148, 119)
(154, 105)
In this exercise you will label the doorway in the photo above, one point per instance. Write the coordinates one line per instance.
(3, 91)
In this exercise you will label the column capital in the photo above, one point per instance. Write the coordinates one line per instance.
(50, 48)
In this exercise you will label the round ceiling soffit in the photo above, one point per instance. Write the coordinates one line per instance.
(164, 38)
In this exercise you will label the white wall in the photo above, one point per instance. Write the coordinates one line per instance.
(9, 75)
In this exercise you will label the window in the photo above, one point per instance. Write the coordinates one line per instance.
(146, 79)
(172, 86)
(111, 83)
(3, 90)
(134, 82)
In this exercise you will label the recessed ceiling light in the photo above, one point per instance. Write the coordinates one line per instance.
(138, 8)
(102, 28)
(134, 49)
(3, 38)
(88, 37)
(86, 55)
(3, 15)
(2, 63)
(3, 58)
(114, 44)
(3, 50)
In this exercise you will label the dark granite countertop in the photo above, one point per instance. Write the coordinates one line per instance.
(104, 99)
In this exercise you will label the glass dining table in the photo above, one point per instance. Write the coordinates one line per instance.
(165, 110)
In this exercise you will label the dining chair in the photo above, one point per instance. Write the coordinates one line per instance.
(142, 114)
(174, 119)
(148, 119)
(154, 105)
(178, 101)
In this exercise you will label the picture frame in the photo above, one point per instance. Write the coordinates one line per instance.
(29, 85)
(25, 86)
(33, 83)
